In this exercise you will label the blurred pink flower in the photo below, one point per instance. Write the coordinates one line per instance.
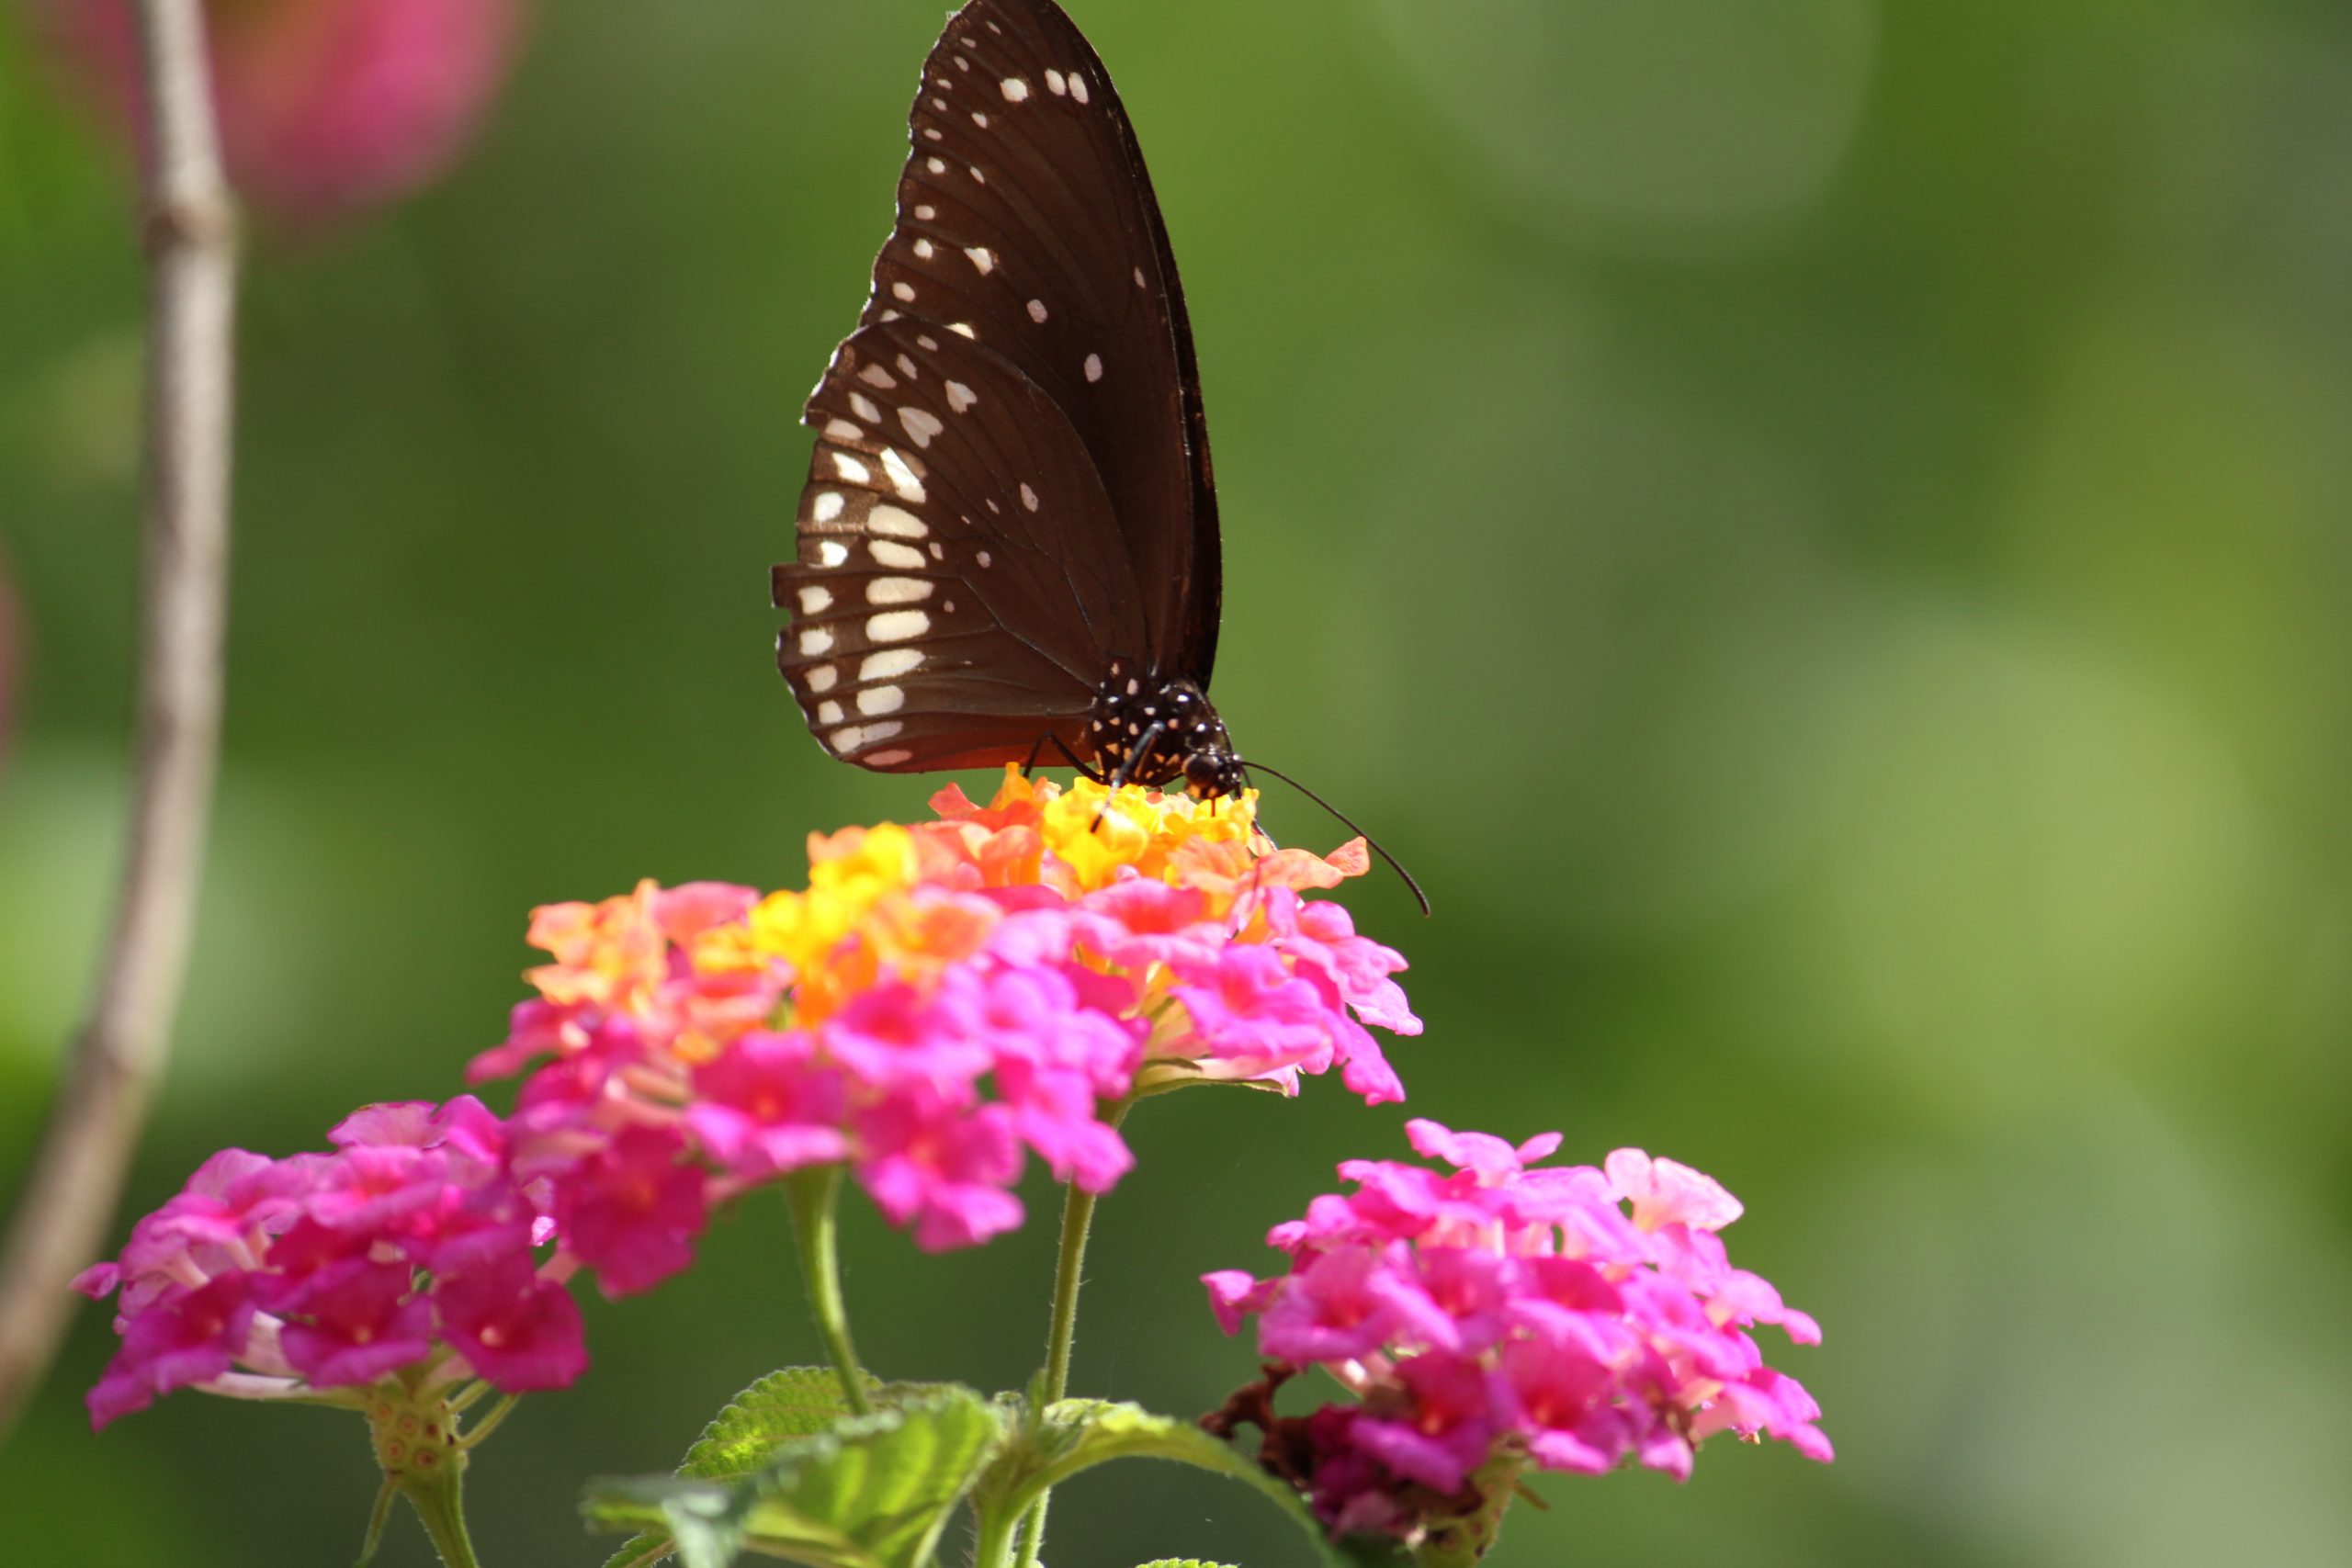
(326, 106)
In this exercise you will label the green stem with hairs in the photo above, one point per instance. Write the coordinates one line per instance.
(439, 1501)
(1077, 1220)
(814, 1195)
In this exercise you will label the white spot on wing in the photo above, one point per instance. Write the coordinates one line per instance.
(813, 600)
(843, 430)
(1078, 86)
(1029, 498)
(925, 249)
(904, 290)
(979, 120)
(926, 212)
(826, 507)
(890, 664)
(897, 625)
(878, 700)
(855, 736)
(964, 329)
(890, 759)
(986, 560)
(829, 712)
(865, 409)
(977, 178)
(899, 590)
(982, 258)
(907, 368)
(852, 470)
(888, 519)
(814, 641)
(889, 552)
(1037, 311)
(936, 165)
(1016, 89)
(832, 552)
(876, 376)
(902, 476)
(1095, 368)
(820, 677)
(1053, 80)
(1139, 282)
(960, 397)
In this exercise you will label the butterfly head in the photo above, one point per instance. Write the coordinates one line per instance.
(1149, 729)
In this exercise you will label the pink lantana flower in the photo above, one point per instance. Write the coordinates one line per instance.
(513, 1326)
(1506, 1315)
(407, 1254)
(631, 1209)
(325, 106)
(940, 1003)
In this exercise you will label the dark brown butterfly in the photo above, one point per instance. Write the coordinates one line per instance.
(1008, 544)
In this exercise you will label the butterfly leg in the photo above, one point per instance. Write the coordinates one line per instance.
(1068, 756)
(1130, 763)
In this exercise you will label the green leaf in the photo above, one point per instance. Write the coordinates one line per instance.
(868, 1491)
(1078, 1433)
(795, 1401)
(798, 1401)
(1156, 1078)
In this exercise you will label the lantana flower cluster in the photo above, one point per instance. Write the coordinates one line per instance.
(1503, 1314)
(412, 1247)
(941, 1002)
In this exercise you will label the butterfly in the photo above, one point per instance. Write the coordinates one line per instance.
(1008, 543)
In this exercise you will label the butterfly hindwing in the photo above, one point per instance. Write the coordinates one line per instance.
(958, 587)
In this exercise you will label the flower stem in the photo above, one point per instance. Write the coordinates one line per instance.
(994, 1548)
(439, 1502)
(815, 1196)
(488, 1424)
(423, 1458)
(1077, 1220)
(68, 1197)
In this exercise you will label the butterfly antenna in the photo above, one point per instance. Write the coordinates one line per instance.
(1394, 864)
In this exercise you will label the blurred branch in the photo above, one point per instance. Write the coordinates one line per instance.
(189, 235)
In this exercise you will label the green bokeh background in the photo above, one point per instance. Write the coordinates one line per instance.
(1822, 531)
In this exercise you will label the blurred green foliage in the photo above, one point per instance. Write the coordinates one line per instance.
(1819, 531)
